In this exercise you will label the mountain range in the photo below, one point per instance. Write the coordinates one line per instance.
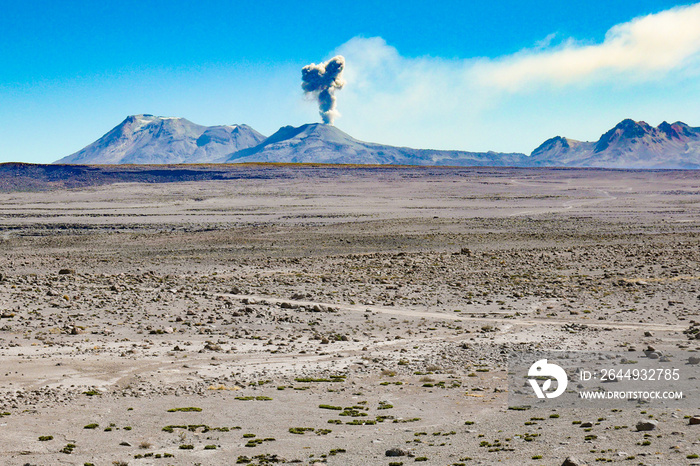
(630, 144)
(148, 139)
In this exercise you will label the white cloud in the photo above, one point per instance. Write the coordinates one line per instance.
(642, 49)
(467, 103)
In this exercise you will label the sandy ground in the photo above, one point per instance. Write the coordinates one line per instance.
(332, 315)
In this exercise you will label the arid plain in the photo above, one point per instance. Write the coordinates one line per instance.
(338, 314)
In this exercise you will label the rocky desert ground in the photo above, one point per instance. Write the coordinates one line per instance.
(340, 315)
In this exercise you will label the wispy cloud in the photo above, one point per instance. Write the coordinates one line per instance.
(645, 48)
(466, 102)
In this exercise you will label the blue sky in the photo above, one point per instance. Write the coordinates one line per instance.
(500, 76)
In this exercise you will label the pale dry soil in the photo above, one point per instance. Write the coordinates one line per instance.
(392, 295)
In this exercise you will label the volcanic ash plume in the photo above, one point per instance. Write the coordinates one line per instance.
(322, 80)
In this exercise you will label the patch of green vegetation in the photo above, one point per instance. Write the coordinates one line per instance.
(186, 447)
(300, 430)
(45, 438)
(170, 429)
(190, 409)
(335, 408)
(353, 411)
(252, 443)
(333, 378)
(68, 449)
(91, 426)
(194, 427)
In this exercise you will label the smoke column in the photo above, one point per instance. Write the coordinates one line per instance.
(322, 81)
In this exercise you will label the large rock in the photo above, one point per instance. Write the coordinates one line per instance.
(396, 452)
(572, 461)
(643, 426)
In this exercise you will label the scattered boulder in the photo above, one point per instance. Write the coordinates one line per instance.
(572, 461)
(643, 426)
(694, 360)
(212, 346)
(396, 452)
(694, 421)
(66, 272)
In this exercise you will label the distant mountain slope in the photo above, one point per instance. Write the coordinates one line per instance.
(630, 144)
(319, 143)
(148, 139)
